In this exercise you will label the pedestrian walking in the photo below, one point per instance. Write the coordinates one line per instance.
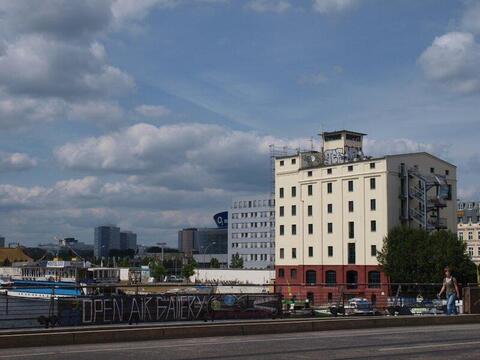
(450, 287)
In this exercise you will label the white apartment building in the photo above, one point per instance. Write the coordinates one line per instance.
(468, 228)
(335, 206)
(251, 231)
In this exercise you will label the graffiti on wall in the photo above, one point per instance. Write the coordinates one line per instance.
(168, 307)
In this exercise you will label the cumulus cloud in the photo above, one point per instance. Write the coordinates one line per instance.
(453, 60)
(333, 6)
(262, 6)
(401, 146)
(471, 19)
(153, 111)
(15, 162)
(190, 155)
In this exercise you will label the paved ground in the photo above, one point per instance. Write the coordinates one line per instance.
(437, 342)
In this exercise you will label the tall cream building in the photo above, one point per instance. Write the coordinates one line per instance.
(468, 218)
(334, 207)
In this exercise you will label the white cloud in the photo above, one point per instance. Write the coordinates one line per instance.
(471, 19)
(333, 6)
(374, 147)
(453, 60)
(15, 162)
(275, 6)
(153, 111)
(190, 155)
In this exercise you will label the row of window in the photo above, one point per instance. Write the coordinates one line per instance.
(469, 219)
(293, 189)
(253, 203)
(257, 257)
(469, 235)
(351, 252)
(351, 228)
(255, 235)
(253, 245)
(469, 206)
(329, 170)
(351, 208)
(253, 225)
(373, 277)
(255, 214)
(470, 251)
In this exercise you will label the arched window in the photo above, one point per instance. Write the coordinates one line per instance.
(352, 279)
(374, 279)
(331, 277)
(311, 277)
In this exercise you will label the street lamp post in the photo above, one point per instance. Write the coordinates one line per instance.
(205, 252)
(162, 244)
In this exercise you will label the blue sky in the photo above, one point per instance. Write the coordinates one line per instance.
(152, 114)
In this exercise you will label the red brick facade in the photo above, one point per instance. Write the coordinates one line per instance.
(311, 281)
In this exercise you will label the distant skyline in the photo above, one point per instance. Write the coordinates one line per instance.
(153, 114)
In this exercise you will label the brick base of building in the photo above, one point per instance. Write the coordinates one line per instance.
(299, 282)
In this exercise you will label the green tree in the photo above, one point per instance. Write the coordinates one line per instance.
(125, 262)
(214, 263)
(158, 271)
(416, 256)
(188, 269)
(237, 262)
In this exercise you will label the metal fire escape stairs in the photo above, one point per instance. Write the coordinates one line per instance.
(422, 198)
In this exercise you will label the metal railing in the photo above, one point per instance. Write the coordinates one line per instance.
(42, 306)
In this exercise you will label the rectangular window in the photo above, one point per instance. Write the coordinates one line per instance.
(329, 188)
(373, 250)
(351, 230)
(281, 193)
(373, 204)
(432, 170)
(282, 162)
(310, 210)
(294, 191)
(282, 229)
(351, 253)
(330, 228)
(294, 161)
(373, 225)
(282, 253)
(350, 206)
(282, 211)
(330, 251)
(310, 173)
(310, 229)
(373, 183)
(329, 171)
(350, 185)
(460, 235)
(372, 165)
(294, 253)
(470, 235)
(294, 210)
(293, 274)
(329, 208)
(310, 190)
(310, 251)
(350, 167)
(294, 229)
(281, 273)
(447, 172)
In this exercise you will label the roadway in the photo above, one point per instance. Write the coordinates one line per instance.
(434, 342)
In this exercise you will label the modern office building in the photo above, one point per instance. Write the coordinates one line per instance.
(128, 240)
(106, 238)
(203, 244)
(251, 231)
(334, 206)
(468, 227)
(2, 242)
